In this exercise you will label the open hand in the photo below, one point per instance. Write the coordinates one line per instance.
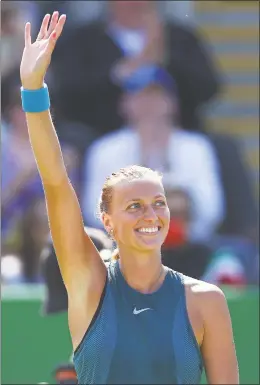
(37, 56)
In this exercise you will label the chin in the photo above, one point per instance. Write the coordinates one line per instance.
(150, 244)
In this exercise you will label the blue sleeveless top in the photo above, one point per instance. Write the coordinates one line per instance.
(137, 338)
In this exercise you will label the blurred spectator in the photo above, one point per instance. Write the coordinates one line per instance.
(152, 137)
(241, 218)
(180, 206)
(34, 230)
(20, 180)
(11, 269)
(14, 14)
(225, 268)
(243, 251)
(102, 57)
(24, 221)
(56, 300)
(237, 240)
(178, 253)
(12, 39)
(215, 264)
(78, 11)
(22, 265)
(85, 80)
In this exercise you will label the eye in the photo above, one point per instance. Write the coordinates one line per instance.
(134, 206)
(160, 203)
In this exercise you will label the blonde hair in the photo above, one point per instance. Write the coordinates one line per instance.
(127, 173)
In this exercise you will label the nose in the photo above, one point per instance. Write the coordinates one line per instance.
(149, 214)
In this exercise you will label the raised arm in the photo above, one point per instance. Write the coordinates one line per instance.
(81, 266)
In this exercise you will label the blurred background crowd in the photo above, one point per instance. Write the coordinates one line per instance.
(169, 85)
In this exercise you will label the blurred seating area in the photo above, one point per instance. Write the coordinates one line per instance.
(168, 85)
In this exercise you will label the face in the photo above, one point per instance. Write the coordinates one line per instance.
(10, 21)
(152, 104)
(129, 13)
(139, 214)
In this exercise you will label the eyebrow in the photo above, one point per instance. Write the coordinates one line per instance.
(139, 199)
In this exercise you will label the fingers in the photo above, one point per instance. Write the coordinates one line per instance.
(53, 23)
(48, 26)
(44, 27)
(56, 33)
(27, 35)
(59, 26)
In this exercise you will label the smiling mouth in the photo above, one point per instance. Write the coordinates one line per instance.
(149, 230)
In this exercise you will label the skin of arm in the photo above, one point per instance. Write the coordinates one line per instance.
(82, 268)
(218, 348)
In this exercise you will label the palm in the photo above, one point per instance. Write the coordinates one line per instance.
(37, 56)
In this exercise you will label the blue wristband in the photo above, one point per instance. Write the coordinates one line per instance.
(35, 100)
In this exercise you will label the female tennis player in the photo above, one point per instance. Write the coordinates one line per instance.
(134, 322)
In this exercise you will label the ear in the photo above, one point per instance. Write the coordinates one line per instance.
(107, 222)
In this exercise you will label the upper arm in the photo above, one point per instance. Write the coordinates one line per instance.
(77, 255)
(218, 347)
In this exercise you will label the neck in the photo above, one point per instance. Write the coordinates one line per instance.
(154, 127)
(144, 273)
(134, 27)
(154, 141)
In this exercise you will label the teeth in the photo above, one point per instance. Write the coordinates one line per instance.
(148, 230)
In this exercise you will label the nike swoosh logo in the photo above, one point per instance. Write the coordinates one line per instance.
(141, 310)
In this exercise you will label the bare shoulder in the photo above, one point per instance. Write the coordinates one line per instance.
(206, 295)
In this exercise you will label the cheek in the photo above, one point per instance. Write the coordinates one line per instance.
(164, 215)
(124, 225)
(162, 107)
